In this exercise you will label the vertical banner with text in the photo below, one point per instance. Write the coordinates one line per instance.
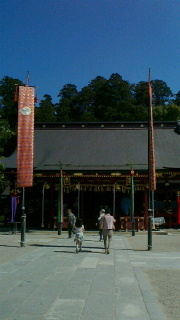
(25, 142)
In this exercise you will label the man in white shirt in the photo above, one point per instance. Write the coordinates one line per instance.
(108, 227)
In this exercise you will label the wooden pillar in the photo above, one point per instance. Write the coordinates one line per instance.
(82, 205)
(145, 209)
(51, 195)
(178, 207)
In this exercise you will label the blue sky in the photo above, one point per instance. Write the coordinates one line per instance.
(74, 41)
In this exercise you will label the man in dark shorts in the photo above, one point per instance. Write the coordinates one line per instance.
(71, 222)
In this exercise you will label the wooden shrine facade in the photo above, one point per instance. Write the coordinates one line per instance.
(95, 160)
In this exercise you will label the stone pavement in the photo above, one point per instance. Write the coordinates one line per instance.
(47, 280)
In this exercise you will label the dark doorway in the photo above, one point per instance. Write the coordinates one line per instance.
(93, 202)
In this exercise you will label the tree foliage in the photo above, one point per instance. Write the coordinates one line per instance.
(113, 99)
(68, 103)
(2, 180)
(177, 99)
(5, 134)
(46, 110)
(162, 94)
(166, 113)
(8, 107)
(141, 94)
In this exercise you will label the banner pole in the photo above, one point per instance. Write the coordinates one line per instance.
(151, 166)
(25, 146)
(23, 220)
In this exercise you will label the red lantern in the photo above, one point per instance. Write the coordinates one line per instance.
(132, 173)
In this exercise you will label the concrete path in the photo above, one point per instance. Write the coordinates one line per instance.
(47, 280)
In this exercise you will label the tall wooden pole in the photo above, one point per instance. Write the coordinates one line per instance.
(23, 219)
(60, 203)
(132, 203)
(151, 166)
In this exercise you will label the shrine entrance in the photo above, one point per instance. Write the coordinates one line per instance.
(86, 200)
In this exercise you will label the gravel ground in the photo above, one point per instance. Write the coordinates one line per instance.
(161, 242)
(166, 285)
(165, 282)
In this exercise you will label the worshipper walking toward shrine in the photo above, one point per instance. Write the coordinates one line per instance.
(71, 222)
(100, 223)
(78, 238)
(108, 227)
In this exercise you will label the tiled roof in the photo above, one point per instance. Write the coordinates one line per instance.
(104, 148)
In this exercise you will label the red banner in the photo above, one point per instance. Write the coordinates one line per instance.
(25, 142)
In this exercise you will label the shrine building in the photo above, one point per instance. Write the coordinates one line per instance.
(95, 160)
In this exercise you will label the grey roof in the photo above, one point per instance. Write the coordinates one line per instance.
(107, 149)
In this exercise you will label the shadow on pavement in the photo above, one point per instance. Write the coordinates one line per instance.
(5, 245)
(131, 249)
(83, 251)
(56, 246)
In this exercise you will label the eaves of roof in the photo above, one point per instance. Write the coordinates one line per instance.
(105, 149)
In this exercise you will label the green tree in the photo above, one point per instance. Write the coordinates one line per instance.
(86, 101)
(46, 110)
(173, 112)
(119, 89)
(9, 107)
(86, 98)
(162, 94)
(170, 112)
(141, 94)
(68, 108)
(99, 87)
(107, 97)
(5, 134)
(2, 179)
(159, 113)
(177, 99)
(68, 91)
(63, 111)
(138, 113)
(98, 97)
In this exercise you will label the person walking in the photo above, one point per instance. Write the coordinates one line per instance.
(71, 222)
(108, 227)
(78, 238)
(100, 223)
